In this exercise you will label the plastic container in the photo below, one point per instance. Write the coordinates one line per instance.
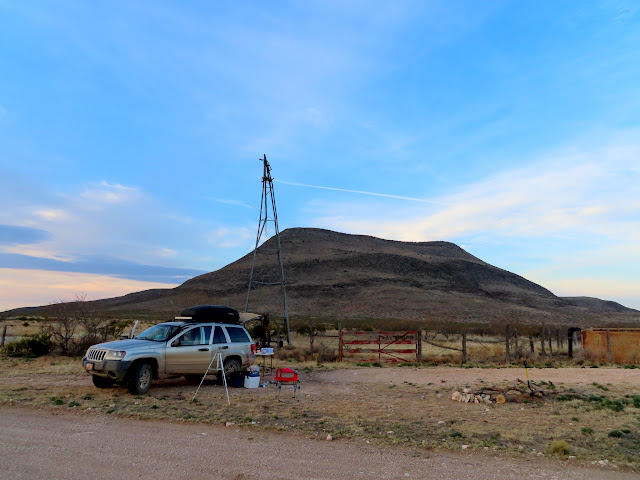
(253, 370)
(236, 380)
(252, 381)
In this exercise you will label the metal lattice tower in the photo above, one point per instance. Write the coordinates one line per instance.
(268, 276)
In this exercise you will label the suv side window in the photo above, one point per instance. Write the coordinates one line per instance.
(190, 337)
(238, 335)
(218, 336)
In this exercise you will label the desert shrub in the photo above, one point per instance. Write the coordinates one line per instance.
(587, 431)
(615, 434)
(30, 346)
(304, 329)
(559, 447)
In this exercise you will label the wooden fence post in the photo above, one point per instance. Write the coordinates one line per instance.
(419, 346)
(4, 335)
(340, 346)
(464, 347)
(531, 346)
(506, 345)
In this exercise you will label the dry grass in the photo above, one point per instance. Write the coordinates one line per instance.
(386, 412)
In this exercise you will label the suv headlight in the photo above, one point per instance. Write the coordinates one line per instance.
(114, 355)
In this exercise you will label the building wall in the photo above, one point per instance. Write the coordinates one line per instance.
(625, 344)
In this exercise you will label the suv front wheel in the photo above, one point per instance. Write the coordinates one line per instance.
(140, 379)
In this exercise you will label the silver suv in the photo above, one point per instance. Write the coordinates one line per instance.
(182, 347)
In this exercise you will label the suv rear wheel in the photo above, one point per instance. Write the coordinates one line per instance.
(140, 379)
(231, 367)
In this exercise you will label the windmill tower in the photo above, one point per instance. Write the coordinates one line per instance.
(267, 269)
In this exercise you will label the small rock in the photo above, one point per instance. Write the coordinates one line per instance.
(329, 437)
(572, 457)
(465, 447)
(390, 432)
(229, 424)
(440, 422)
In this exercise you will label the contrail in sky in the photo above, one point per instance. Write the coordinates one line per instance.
(422, 200)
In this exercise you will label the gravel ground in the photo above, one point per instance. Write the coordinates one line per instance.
(40, 444)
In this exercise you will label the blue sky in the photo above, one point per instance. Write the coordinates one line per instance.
(131, 134)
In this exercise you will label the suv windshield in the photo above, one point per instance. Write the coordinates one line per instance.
(159, 333)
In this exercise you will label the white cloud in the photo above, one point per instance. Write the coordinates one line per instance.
(41, 250)
(225, 237)
(102, 194)
(166, 252)
(52, 214)
(21, 288)
(239, 203)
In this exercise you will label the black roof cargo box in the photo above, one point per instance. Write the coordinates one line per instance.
(212, 313)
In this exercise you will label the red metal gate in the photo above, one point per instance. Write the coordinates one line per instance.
(389, 346)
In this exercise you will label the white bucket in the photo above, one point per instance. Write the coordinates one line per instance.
(251, 382)
(253, 369)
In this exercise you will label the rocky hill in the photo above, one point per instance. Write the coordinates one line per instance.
(330, 274)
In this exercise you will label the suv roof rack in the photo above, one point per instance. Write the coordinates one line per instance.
(210, 313)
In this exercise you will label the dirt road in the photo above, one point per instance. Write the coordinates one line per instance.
(41, 444)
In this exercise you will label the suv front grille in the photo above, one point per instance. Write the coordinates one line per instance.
(97, 355)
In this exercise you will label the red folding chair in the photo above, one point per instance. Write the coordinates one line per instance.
(287, 377)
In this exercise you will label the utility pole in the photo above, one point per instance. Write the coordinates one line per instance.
(268, 203)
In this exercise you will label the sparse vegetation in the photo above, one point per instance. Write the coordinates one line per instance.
(560, 447)
(30, 346)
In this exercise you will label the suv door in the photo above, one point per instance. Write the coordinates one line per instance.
(219, 343)
(190, 352)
